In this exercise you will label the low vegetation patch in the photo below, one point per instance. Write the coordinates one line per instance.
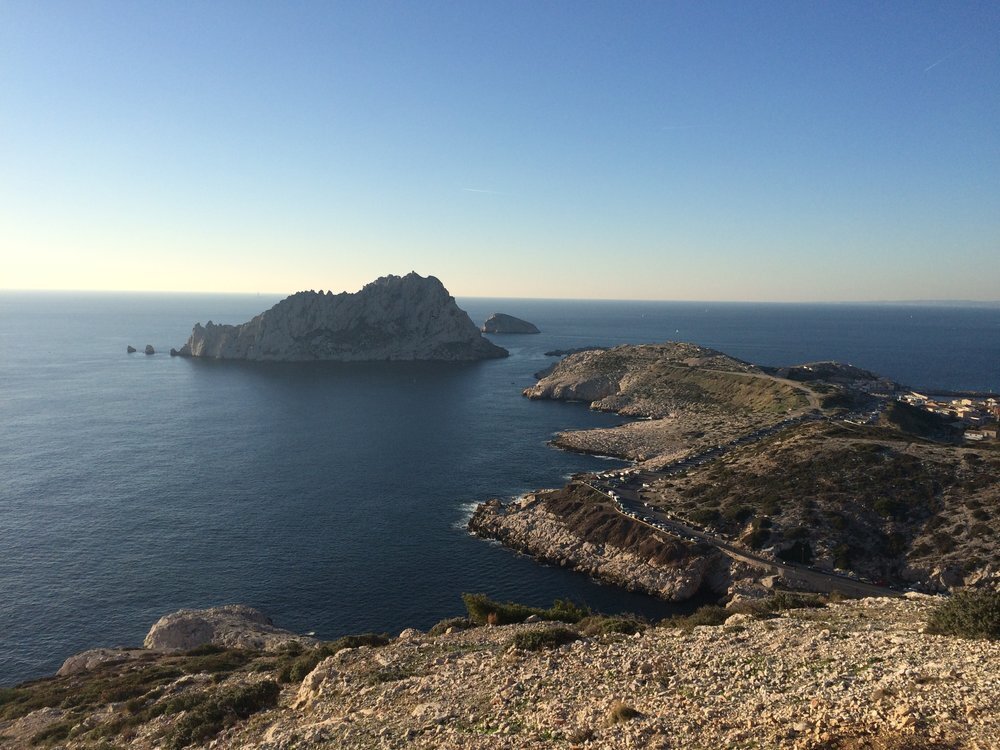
(451, 623)
(483, 610)
(707, 615)
(619, 713)
(536, 640)
(221, 709)
(302, 663)
(968, 614)
(605, 625)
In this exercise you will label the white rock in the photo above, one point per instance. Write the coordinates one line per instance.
(229, 626)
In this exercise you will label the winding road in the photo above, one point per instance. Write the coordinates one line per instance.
(627, 500)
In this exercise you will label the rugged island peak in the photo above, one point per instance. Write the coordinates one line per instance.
(392, 318)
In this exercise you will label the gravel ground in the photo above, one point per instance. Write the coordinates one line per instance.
(808, 679)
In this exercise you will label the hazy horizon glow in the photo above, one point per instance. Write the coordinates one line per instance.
(680, 151)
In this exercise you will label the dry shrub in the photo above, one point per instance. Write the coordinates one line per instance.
(619, 713)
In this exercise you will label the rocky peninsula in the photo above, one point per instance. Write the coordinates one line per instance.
(575, 528)
(812, 476)
(503, 323)
(393, 318)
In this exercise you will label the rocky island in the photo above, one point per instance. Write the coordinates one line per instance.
(502, 323)
(393, 318)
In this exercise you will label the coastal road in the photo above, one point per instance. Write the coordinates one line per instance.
(627, 500)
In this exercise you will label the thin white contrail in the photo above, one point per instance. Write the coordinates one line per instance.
(949, 55)
(477, 190)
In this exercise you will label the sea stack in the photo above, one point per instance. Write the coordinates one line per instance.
(149, 349)
(393, 318)
(502, 323)
(130, 349)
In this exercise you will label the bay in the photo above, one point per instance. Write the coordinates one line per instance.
(332, 496)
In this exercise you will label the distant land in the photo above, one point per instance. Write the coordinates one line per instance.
(820, 477)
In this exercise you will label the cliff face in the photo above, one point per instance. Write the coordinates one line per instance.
(392, 318)
(564, 528)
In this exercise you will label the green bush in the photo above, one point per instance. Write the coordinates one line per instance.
(219, 710)
(483, 610)
(371, 640)
(213, 660)
(799, 552)
(205, 649)
(604, 625)
(707, 615)
(968, 614)
(536, 640)
(304, 663)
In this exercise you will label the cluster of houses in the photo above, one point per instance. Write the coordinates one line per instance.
(976, 417)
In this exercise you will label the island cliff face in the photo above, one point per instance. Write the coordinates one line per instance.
(393, 318)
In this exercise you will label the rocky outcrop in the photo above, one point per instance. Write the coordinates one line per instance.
(229, 626)
(855, 674)
(392, 318)
(149, 349)
(602, 544)
(130, 349)
(502, 323)
(96, 658)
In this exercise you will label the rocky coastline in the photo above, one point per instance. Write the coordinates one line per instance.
(604, 545)
(789, 474)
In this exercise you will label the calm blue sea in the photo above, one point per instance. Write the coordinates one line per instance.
(331, 496)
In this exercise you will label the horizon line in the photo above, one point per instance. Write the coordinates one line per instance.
(904, 301)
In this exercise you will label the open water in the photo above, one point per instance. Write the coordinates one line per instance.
(331, 496)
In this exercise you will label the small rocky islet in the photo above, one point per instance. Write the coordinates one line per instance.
(503, 323)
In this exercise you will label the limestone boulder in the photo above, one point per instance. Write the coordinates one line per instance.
(229, 626)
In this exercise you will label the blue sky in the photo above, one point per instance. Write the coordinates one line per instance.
(740, 151)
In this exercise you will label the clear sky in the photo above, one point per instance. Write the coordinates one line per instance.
(648, 150)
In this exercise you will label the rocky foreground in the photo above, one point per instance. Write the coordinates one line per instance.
(854, 674)
(393, 318)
